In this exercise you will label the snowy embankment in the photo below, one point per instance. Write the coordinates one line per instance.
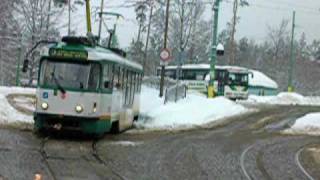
(308, 124)
(195, 110)
(285, 99)
(9, 114)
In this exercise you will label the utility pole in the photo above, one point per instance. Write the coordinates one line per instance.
(48, 19)
(148, 36)
(69, 23)
(292, 55)
(213, 59)
(164, 46)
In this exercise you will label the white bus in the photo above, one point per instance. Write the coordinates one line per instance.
(230, 81)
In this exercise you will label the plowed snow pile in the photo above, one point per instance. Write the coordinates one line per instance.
(285, 99)
(195, 110)
(7, 113)
(308, 124)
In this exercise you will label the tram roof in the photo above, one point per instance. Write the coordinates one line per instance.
(235, 69)
(93, 54)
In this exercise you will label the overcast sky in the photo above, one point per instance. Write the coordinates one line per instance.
(253, 22)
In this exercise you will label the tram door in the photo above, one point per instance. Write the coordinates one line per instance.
(222, 79)
(127, 114)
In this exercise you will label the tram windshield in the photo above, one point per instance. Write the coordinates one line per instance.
(70, 75)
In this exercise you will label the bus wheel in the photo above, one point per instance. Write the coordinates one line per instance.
(115, 129)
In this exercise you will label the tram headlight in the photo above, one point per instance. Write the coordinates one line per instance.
(79, 108)
(44, 106)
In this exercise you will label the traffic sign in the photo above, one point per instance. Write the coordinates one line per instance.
(165, 55)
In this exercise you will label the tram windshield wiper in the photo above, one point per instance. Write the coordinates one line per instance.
(56, 81)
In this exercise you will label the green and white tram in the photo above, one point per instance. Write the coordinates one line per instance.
(230, 81)
(87, 88)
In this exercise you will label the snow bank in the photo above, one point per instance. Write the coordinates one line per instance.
(16, 90)
(308, 124)
(285, 99)
(195, 110)
(7, 113)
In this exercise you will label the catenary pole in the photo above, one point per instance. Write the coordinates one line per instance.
(292, 55)
(213, 58)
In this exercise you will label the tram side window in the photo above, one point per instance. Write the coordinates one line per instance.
(132, 89)
(140, 82)
(137, 82)
(117, 78)
(94, 77)
(107, 76)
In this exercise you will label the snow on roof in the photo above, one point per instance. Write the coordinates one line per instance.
(104, 54)
(260, 79)
(97, 54)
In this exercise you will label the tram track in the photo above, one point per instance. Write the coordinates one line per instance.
(261, 164)
(45, 157)
(297, 159)
(99, 159)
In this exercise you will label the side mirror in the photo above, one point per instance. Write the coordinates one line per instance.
(220, 50)
(25, 65)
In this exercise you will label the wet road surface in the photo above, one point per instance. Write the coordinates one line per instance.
(247, 147)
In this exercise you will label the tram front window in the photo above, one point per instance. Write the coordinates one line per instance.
(70, 75)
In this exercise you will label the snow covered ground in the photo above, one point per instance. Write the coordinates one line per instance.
(8, 114)
(284, 99)
(308, 124)
(195, 110)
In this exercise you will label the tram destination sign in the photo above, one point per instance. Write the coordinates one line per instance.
(63, 53)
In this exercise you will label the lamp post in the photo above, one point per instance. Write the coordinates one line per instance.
(213, 58)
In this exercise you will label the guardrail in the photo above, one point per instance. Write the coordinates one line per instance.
(175, 93)
(154, 82)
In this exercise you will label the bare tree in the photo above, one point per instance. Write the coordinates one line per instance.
(37, 22)
(277, 37)
(234, 21)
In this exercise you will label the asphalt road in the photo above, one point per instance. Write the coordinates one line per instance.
(246, 147)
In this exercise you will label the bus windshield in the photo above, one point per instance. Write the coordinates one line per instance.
(239, 79)
(70, 75)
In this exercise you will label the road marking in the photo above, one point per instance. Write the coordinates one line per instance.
(242, 158)
(300, 166)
